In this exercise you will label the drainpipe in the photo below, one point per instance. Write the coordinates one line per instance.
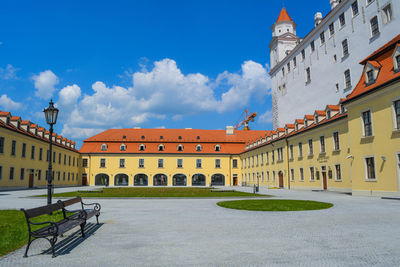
(287, 159)
(230, 170)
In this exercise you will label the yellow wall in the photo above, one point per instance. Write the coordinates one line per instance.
(34, 165)
(385, 142)
(151, 166)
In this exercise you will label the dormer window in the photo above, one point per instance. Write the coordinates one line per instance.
(180, 148)
(143, 137)
(103, 147)
(198, 148)
(371, 72)
(217, 148)
(396, 58)
(124, 137)
(36, 131)
(316, 119)
(8, 120)
(180, 137)
(305, 123)
(397, 64)
(296, 126)
(342, 109)
(328, 114)
(122, 147)
(198, 137)
(370, 76)
(161, 137)
(142, 147)
(18, 124)
(28, 128)
(161, 147)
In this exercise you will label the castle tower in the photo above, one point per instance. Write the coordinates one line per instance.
(284, 37)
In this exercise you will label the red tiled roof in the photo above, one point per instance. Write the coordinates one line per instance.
(34, 125)
(4, 113)
(374, 64)
(290, 126)
(309, 117)
(25, 122)
(283, 16)
(300, 121)
(15, 118)
(383, 56)
(320, 112)
(333, 107)
(281, 129)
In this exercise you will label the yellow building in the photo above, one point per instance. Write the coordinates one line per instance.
(374, 123)
(164, 157)
(351, 147)
(24, 155)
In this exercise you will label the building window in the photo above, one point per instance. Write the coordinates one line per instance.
(328, 114)
(308, 75)
(310, 147)
(180, 148)
(347, 79)
(268, 176)
(1, 172)
(84, 163)
(332, 29)
(23, 154)
(322, 143)
(387, 14)
(336, 145)
(63, 176)
(234, 163)
(338, 173)
(217, 163)
(316, 119)
(303, 54)
(301, 174)
(198, 163)
(161, 147)
(122, 147)
(322, 37)
(103, 147)
(273, 156)
(2, 145)
(294, 62)
(40, 153)
(198, 148)
(59, 158)
(179, 163)
(69, 160)
(288, 67)
(267, 158)
(102, 163)
(122, 163)
(22, 176)
(291, 151)
(354, 8)
(342, 20)
(160, 163)
(142, 147)
(345, 48)
(69, 176)
(397, 58)
(217, 148)
(141, 163)
(312, 44)
(40, 175)
(374, 26)
(300, 150)
(370, 77)
(366, 118)
(312, 177)
(11, 173)
(283, 71)
(33, 152)
(370, 168)
(396, 106)
(292, 175)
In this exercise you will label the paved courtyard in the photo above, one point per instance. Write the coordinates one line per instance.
(357, 231)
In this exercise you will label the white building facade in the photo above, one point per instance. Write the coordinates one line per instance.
(323, 67)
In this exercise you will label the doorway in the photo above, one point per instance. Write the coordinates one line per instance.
(235, 180)
(324, 181)
(31, 175)
(280, 174)
(84, 179)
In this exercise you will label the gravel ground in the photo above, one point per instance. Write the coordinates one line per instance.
(357, 231)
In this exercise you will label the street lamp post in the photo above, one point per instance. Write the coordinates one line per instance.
(51, 114)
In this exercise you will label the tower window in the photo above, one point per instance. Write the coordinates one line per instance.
(322, 37)
(217, 148)
(308, 73)
(374, 26)
(332, 29)
(347, 79)
(342, 20)
(142, 147)
(103, 147)
(161, 147)
(312, 44)
(345, 48)
(180, 148)
(387, 14)
(198, 148)
(354, 8)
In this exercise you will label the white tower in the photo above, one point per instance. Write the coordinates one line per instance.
(284, 37)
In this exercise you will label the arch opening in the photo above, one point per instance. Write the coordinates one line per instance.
(179, 180)
(217, 179)
(160, 179)
(102, 179)
(140, 179)
(121, 179)
(198, 179)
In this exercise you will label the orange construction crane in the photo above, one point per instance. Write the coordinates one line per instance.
(247, 119)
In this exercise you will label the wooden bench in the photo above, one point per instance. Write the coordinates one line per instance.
(52, 230)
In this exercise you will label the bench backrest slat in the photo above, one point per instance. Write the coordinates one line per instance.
(71, 201)
(31, 213)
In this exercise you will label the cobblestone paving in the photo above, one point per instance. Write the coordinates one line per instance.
(357, 231)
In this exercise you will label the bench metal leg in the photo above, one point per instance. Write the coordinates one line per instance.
(27, 247)
(83, 229)
(97, 218)
(53, 242)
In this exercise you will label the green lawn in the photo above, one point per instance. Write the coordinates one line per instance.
(156, 192)
(14, 231)
(274, 205)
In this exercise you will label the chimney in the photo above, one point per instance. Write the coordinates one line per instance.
(317, 18)
(334, 3)
(229, 130)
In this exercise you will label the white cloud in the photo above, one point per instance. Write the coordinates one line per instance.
(159, 93)
(266, 117)
(8, 104)
(44, 84)
(9, 73)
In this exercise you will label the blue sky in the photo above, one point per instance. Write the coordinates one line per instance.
(121, 64)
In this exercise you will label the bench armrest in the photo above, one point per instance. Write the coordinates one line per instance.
(53, 229)
(82, 213)
(96, 207)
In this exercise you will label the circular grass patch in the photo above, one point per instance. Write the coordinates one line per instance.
(274, 205)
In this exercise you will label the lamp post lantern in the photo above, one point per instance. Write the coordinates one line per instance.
(51, 114)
